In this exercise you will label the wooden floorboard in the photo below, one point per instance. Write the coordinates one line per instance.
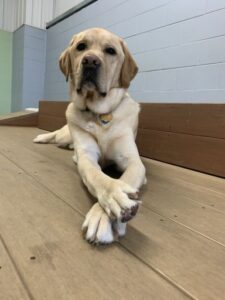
(184, 249)
(213, 183)
(179, 206)
(11, 285)
(205, 206)
(202, 195)
(43, 236)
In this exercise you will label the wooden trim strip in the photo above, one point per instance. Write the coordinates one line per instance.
(53, 108)
(195, 119)
(51, 123)
(22, 118)
(188, 135)
(199, 153)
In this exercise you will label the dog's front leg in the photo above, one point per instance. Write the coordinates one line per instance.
(112, 194)
(124, 153)
(105, 220)
(113, 201)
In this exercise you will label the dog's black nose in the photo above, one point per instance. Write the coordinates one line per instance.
(91, 61)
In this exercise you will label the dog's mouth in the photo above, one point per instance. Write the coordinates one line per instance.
(89, 81)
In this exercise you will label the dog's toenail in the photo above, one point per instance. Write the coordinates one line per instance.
(133, 196)
(126, 216)
(134, 210)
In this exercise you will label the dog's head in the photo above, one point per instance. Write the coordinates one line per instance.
(97, 60)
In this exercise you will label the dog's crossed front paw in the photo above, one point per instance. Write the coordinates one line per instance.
(99, 229)
(116, 202)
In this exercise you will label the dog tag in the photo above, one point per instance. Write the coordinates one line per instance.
(105, 118)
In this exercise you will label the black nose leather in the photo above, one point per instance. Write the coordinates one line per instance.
(91, 61)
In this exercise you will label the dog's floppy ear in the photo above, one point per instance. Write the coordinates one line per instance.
(129, 67)
(65, 61)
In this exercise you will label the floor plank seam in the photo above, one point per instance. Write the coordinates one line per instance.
(182, 133)
(206, 189)
(187, 227)
(189, 199)
(66, 203)
(39, 162)
(202, 204)
(125, 248)
(157, 163)
(20, 276)
(161, 274)
(41, 183)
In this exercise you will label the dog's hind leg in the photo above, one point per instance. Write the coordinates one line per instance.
(60, 137)
(46, 138)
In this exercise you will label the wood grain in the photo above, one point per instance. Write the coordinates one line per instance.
(194, 119)
(209, 183)
(22, 118)
(51, 254)
(182, 250)
(11, 286)
(50, 123)
(188, 135)
(200, 153)
(52, 114)
(53, 108)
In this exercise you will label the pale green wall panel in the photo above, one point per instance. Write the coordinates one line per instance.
(5, 71)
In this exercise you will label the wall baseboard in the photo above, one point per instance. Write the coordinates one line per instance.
(22, 118)
(187, 135)
(52, 114)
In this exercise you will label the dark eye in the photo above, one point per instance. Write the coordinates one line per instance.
(110, 51)
(81, 46)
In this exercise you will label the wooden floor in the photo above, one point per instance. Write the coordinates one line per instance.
(174, 248)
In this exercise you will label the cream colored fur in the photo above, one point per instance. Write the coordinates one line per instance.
(95, 144)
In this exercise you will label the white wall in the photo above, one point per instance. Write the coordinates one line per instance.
(180, 50)
(14, 13)
(179, 46)
(61, 6)
(39, 12)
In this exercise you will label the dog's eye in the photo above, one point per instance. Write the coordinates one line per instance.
(110, 51)
(81, 46)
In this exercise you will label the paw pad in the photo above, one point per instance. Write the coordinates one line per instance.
(128, 214)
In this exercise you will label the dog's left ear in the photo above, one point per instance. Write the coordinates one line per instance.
(129, 67)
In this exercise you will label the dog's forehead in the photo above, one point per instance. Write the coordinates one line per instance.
(98, 35)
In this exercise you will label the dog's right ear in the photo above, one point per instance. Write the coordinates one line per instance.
(65, 61)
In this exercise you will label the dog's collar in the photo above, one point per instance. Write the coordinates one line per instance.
(113, 100)
(102, 118)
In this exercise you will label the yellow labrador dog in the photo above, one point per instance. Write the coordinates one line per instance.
(102, 122)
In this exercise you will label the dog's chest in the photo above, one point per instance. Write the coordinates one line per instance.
(92, 127)
(97, 128)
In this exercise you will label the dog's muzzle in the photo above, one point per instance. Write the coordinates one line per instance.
(90, 74)
(91, 65)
